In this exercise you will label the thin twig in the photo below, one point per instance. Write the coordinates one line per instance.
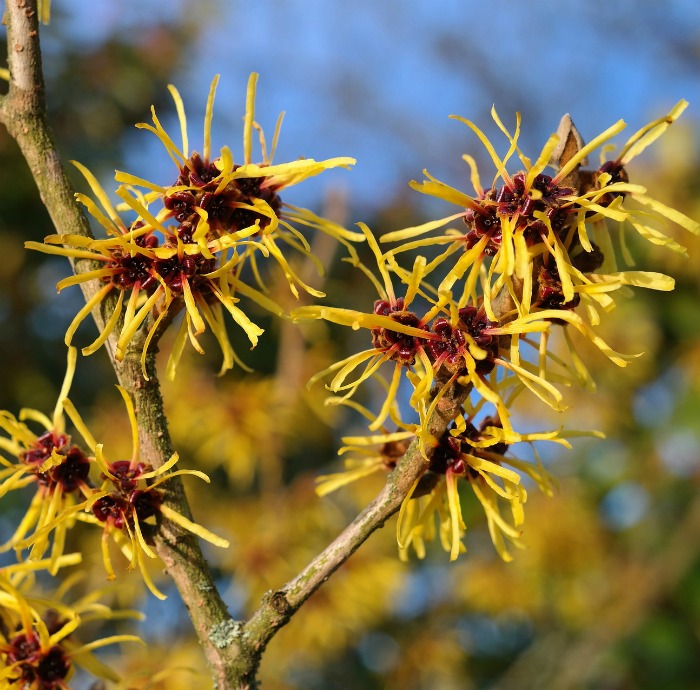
(278, 607)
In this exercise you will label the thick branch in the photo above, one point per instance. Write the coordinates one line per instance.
(23, 112)
(177, 548)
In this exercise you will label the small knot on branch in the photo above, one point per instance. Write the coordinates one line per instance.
(279, 603)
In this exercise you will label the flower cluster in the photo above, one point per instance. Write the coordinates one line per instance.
(123, 500)
(38, 648)
(533, 256)
(202, 249)
(48, 461)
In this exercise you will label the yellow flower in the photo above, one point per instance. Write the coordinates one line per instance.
(477, 456)
(398, 336)
(124, 506)
(532, 229)
(38, 649)
(366, 455)
(202, 249)
(158, 278)
(215, 198)
(606, 193)
(442, 343)
(536, 250)
(49, 460)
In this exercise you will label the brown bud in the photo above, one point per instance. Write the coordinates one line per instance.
(570, 143)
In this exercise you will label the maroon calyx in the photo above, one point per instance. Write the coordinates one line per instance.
(190, 268)
(474, 321)
(550, 294)
(130, 271)
(450, 350)
(125, 476)
(112, 509)
(401, 347)
(44, 670)
(448, 456)
(451, 454)
(197, 172)
(513, 200)
(73, 472)
(472, 434)
(618, 173)
(181, 204)
(249, 189)
(40, 451)
(120, 507)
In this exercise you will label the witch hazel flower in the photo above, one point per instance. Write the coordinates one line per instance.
(532, 221)
(370, 454)
(128, 504)
(477, 453)
(220, 198)
(153, 281)
(201, 251)
(399, 338)
(39, 649)
(49, 461)
(536, 255)
(432, 342)
(537, 249)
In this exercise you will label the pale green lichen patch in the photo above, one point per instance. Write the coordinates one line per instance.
(223, 634)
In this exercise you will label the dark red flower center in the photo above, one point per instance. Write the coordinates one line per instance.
(447, 456)
(132, 270)
(126, 477)
(72, 472)
(44, 670)
(550, 294)
(475, 322)
(249, 189)
(473, 434)
(401, 346)
(40, 451)
(451, 452)
(112, 510)
(513, 200)
(450, 349)
(119, 507)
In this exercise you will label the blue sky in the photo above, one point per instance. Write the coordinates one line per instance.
(378, 80)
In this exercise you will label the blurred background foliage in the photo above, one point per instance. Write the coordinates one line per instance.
(607, 593)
